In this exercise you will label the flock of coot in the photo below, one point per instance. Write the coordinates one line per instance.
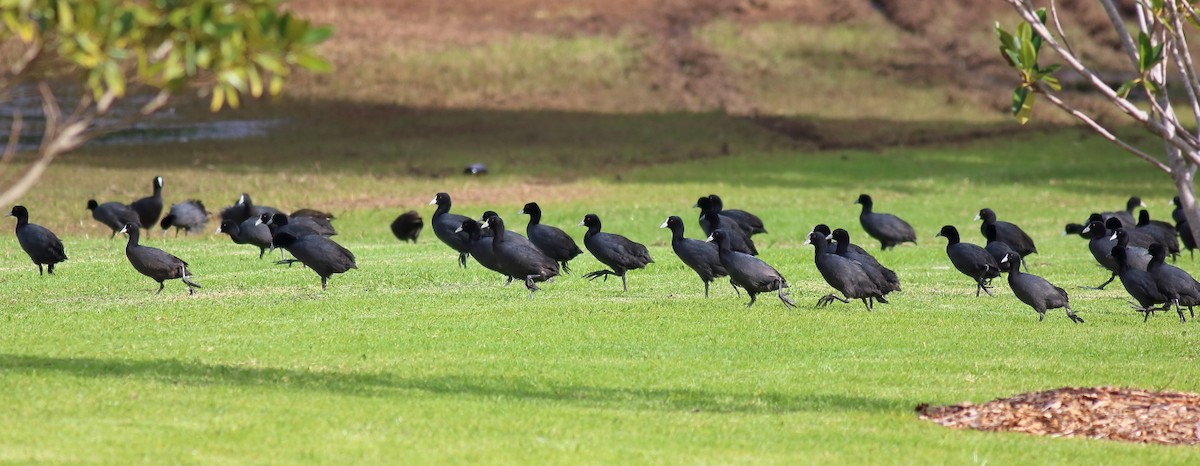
(1132, 249)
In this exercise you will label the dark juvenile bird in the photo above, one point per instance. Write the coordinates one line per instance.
(519, 259)
(703, 257)
(998, 249)
(738, 239)
(832, 249)
(445, 224)
(750, 272)
(42, 246)
(885, 278)
(150, 208)
(970, 259)
(250, 232)
(407, 226)
(245, 209)
(1139, 283)
(1159, 231)
(889, 229)
(844, 275)
(481, 247)
(551, 240)
(706, 205)
(1036, 291)
(156, 263)
(114, 215)
(189, 216)
(1126, 216)
(1007, 232)
(749, 222)
(319, 253)
(616, 251)
(1173, 283)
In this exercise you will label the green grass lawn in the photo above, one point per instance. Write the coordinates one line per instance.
(413, 360)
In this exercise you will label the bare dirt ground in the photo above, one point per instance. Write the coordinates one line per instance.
(948, 42)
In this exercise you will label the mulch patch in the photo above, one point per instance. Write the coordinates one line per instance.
(1110, 413)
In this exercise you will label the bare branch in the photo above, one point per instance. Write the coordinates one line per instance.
(1118, 23)
(1104, 132)
(1058, 27)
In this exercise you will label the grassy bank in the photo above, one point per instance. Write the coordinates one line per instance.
(411, 359)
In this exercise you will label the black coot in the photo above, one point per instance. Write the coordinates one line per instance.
(1100, 244)
(702, 257)
(1126, 216)
(970, 259)
(551, 240)
(150, 208)
(445, 224)
(998, 249)
(1036, 291)
(738, 239)
(1177, 286)
(313, 213)
(750, 272)
(844, 275)
(1007, 232)
(319, 253)
(1139, 283)
(1161, 232)
(519, 259)
(885, 278)
(251, 232)
(832, 249)
(407, 226)
(42, 246)
(245, 209)
(114, 215)
(156, 263)
(297, 226)
(189, 216)
(1075, 229)
(889, 229)
(706, 205)
(481, 247)
(749, 222)
(616, 251)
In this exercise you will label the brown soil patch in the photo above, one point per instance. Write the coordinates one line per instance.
(1122, 414)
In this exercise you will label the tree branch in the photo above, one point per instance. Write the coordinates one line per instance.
(1104, 132)
(1026, 11)
(1118, 23)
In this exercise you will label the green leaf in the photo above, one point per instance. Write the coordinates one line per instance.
(315, 36)
(1052, 82)
(1036, 40)
(313, 63)
(1127, 86)
(1025, 111)
(1019, 96)
(1151, 86)
(1144, 50)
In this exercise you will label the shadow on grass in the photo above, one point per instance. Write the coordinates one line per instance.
(197, 374)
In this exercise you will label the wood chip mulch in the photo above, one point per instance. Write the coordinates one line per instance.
(1110, 413)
